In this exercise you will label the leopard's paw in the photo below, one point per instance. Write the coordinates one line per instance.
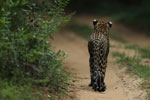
(102, 88)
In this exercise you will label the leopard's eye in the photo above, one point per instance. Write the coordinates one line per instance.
(95, 22)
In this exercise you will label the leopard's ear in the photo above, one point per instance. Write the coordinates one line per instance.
(110, 24)
(95, 22)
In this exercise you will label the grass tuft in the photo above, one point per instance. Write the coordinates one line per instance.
(133, 64)
(9, 91)
(145, 52)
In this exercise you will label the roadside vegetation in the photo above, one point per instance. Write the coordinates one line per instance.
(133, 64)
(145, 52)
(137, 64)
(29, 69)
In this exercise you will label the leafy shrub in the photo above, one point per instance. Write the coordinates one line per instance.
(25, 26)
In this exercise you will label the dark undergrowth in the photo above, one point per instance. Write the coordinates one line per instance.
(132, 13)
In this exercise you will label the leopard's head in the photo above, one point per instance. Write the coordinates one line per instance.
(101, 26)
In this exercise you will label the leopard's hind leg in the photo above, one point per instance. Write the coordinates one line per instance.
(91, 71)
(101, 83)
(95, 78)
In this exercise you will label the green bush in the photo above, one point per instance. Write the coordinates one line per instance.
(25, 52)
(13, 92)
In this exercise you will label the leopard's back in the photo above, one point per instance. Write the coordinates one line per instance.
(100, 44)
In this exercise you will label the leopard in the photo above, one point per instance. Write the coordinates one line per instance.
(98, 47)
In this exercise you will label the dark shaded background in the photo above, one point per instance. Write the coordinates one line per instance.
(135, 13)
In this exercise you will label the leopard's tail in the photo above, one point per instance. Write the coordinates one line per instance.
(99, 68)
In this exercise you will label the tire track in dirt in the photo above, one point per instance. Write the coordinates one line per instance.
(119, 85)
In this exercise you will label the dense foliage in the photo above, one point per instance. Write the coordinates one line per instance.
(25, 52)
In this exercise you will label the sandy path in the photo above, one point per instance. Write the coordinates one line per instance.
(78, 63)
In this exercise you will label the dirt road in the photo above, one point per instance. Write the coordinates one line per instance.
(119, 85)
